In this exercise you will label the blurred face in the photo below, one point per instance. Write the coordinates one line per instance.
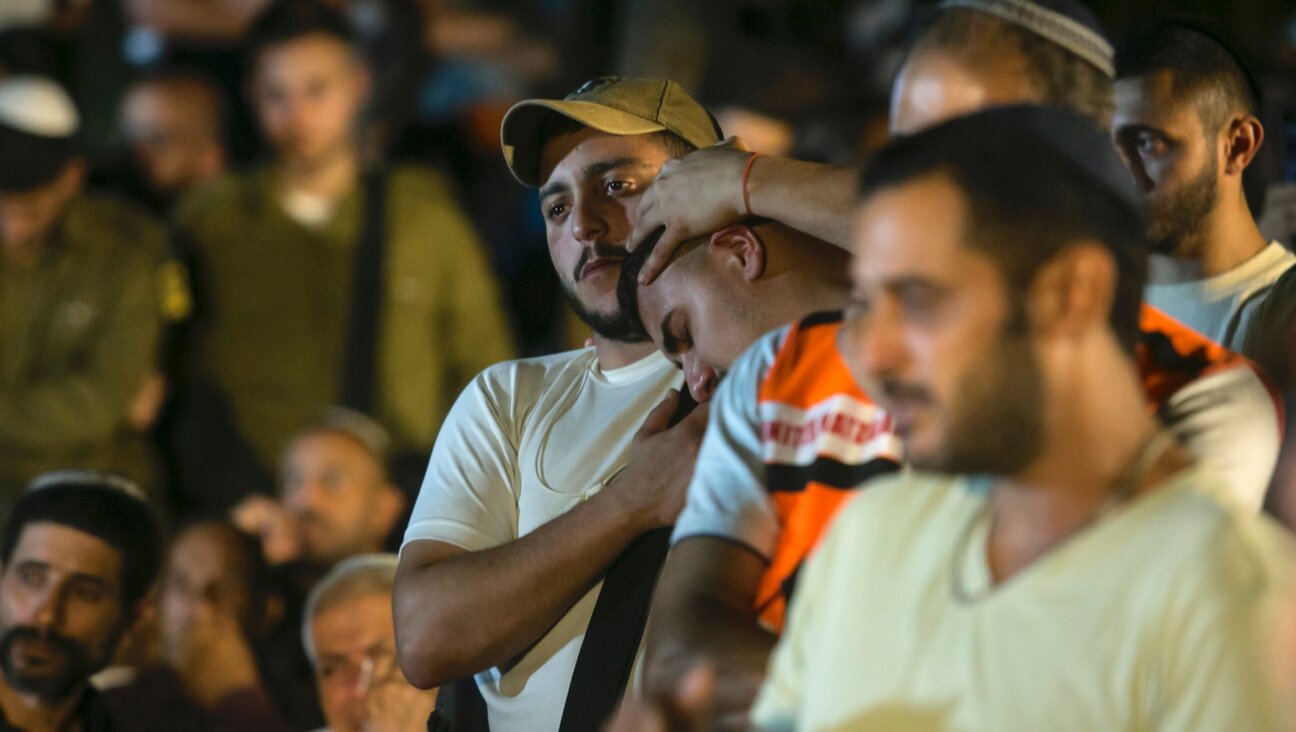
(589, 195)
(932, 88)
(60, 610)
(1174, 160)
(340, 496)
(204, 577)
(702, 314)
(355, 647)
(172, 133)
(932, 335)
(308, 93)
(27, 217)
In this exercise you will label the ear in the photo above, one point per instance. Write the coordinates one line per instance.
(391, 502)
(740, 245)
(1074, 291)
(1245, 135)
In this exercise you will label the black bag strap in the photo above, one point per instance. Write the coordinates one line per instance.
(459, 708)
(360, 364)
(611, 643)
(616, 627)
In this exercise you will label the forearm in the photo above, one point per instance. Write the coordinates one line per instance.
(704, 612)
(476, 610)
(815, 198)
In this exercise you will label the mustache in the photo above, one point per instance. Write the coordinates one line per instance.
(614, 251)
(64, 644)
(899, 391)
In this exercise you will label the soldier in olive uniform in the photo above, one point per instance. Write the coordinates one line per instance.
(80, 312)
(274, 254)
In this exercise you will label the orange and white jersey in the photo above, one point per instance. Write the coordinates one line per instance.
(791, 436)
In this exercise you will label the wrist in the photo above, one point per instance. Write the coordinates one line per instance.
(630, 503)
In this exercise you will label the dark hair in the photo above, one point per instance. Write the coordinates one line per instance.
(104, 507)
(557, 125)
(632, 265)
(1028, 198)
(1202, 64)
(289, 20)
(1061, 77)
(256, 579)
(628, 282)
(193, 77)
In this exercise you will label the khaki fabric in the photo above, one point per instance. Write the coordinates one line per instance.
(1161, 615)
(78, 336)
(273, 303)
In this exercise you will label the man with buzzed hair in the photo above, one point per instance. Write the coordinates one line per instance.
(719, 293)
(1187, 125)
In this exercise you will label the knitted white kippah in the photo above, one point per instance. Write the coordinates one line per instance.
(37, 106)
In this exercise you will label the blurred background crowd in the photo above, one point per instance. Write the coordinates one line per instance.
(144, 330)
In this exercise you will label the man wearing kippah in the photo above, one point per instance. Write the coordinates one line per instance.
(1187, 123)
(792, 434)
(80, 551)
(1083, 571)
(79, 306)
(548, 468)
(1065, 565)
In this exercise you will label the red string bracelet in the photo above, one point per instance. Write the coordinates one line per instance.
(745, 175)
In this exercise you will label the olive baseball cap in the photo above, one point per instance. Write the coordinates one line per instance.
(608, 104)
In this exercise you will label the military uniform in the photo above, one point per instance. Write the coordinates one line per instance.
(78, 336)
(274, 301)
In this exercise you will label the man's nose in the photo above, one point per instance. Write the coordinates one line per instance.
(589, 220)
(47, 612)
(701, 378)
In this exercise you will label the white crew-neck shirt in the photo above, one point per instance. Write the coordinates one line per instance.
(1221, 307)
(526, 442)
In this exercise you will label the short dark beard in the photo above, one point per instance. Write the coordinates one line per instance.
(615, 326)
(1177, 225)
(997, 426)
(76, 671)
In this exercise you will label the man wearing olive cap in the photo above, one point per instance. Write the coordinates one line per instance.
(79, 304)
(545, 469)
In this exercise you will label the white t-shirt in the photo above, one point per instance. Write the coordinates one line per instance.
(1221, 307)
(1156, 617)
(526, 442)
